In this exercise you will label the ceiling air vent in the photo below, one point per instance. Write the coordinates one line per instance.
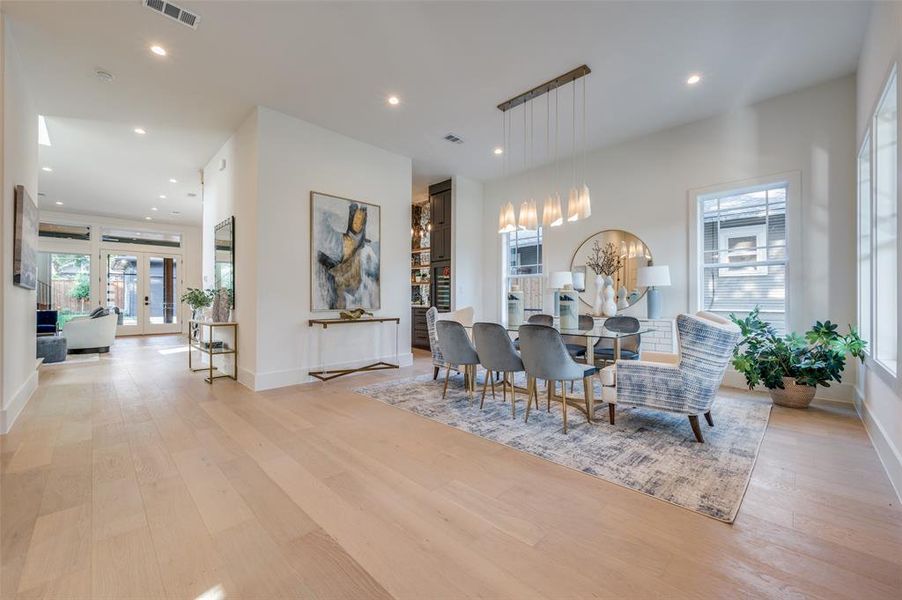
(453, 139)
(172, 11)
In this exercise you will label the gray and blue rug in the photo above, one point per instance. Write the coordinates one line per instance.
(649, 451)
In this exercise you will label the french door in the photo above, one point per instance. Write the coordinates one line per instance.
(145, 286)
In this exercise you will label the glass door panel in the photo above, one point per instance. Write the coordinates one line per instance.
(123, 290)
(162, 293)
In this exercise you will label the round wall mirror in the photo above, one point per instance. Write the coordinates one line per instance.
(617, 244)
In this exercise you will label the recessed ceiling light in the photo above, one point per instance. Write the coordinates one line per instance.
(171, 180)
(498, 151)
(148, 219)
(58, 203)
(139, 130)
(162, 196)
(48, 169)
(394, 100)
(154, 209)
(158, 50)
(693, 79)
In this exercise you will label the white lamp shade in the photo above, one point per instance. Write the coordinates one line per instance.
(658, 275)
(560, 279)
(579, 281)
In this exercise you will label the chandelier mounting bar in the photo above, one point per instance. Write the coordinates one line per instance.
(546, 87)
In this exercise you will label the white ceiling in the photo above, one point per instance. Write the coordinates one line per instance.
(334, 63)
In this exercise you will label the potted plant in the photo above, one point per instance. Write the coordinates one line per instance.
(197, 299)
(792, 366)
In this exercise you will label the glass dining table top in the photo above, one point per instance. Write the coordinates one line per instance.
(597, 332)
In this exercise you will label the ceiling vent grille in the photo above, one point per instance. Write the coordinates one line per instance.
(174, 12)
(453, 139)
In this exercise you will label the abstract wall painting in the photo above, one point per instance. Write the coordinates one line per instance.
(345, 253)
(25, 240)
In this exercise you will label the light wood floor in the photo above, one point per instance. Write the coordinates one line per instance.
(131, 478)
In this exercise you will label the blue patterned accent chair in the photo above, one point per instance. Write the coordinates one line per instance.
(686, 383)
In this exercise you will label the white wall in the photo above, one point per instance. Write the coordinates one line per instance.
(466, 248)
(231, 190)
(293, 158)
(641, 186)
(20, 167)
(880, 395)
(190, 249)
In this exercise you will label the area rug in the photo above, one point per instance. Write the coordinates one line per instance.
(649, 451)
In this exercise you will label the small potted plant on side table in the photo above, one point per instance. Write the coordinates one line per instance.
(792, 366)
(198, 300)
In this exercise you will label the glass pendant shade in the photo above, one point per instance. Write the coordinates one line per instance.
(507, 222)
(528, 215)
(551, 211)
(585, 202)
(573, 205)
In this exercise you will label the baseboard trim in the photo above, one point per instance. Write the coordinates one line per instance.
(9, 415)
(889, 455)
(838, 392)
(278, 379)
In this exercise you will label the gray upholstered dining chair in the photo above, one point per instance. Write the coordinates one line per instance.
(545, 357)
(457, 351)
(536, 319)
(576, 345)
(497, 354)
(541, 319)
(463, 315)
(629, 345)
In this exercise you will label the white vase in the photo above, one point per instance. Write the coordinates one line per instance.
(609, 307)
(598, 304)
(622, 299)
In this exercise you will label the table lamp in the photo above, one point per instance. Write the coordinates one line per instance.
(653, 278)
(558, 281)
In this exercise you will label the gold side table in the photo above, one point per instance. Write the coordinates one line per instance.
(206, 344)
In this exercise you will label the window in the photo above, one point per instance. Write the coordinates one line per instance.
(743, 259)
(885, 232)
(142, 238)
(64, 284)
(864, 240)
(524, 265)
(64, 232)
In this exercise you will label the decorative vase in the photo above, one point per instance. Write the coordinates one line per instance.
(793, 395)
(515, 307)
(609, 307)
(598, 304)
(622, 300)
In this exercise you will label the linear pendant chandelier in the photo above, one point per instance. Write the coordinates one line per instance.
(579, 205)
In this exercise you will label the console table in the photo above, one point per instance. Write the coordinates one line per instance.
(207, 345)
(324, 374)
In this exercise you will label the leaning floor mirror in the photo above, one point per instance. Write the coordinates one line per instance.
(224, 266)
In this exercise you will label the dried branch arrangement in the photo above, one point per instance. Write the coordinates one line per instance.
(604, 261)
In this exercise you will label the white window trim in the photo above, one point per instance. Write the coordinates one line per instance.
(868, 146)
(892, 379)
(794, 283)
